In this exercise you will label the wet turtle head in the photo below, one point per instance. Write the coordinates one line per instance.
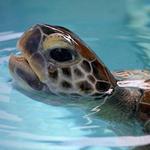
(54, 58)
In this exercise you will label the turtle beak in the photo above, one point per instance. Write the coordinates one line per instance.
(20, 67)
(30, 46)
(22, 72)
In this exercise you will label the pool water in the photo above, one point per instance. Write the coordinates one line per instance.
(118, 31)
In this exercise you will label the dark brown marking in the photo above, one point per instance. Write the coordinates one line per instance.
(66, 84)
(43, 38)
(47, 30)
(66, 72)
(83, 49)
(146, 97)
(53, 75)
(86, 66)
(32, 80)
(144, 105)
(91, 78)
(96, 71)
(64, 29)
(147, 81)
(78, 72)
(102, 73)
(85, 86)
(102, 86)
(32, 41)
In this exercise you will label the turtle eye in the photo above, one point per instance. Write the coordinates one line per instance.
(62, 54)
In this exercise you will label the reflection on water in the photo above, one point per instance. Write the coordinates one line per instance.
(34, 121)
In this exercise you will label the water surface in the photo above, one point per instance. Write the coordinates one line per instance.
(118, 31)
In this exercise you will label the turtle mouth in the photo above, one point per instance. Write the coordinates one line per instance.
(22, 72)
(22, 66)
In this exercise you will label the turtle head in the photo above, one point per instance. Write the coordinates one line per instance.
(55, 58)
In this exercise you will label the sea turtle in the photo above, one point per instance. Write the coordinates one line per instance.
(54, 59)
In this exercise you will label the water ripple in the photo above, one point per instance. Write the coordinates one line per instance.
(10, 117)
(5, 36)
(82, 141)
(5, 88)
(4, 98)
(3, 126)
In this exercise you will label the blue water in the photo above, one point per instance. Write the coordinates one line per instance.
(118, 31)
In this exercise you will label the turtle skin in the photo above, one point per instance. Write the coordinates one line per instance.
(139, 80)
